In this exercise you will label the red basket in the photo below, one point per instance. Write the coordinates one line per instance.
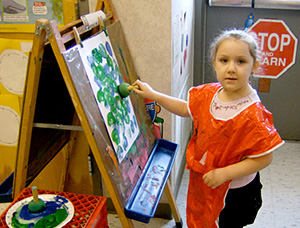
(90, 211)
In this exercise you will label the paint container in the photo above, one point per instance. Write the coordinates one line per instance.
(146, 195)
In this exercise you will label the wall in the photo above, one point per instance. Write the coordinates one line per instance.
(182, 76)
(147, 28)
(13, 64)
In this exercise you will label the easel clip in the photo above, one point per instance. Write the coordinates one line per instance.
(102, 25)
(77, 36)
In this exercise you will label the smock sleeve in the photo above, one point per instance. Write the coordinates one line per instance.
(265, 138)
(192, 98)
(198, 95)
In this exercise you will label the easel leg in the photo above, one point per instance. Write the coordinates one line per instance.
(173, 205)
(29, 103)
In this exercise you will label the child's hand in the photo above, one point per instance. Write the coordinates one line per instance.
(172, 104)
(214, 178)
(144, 89)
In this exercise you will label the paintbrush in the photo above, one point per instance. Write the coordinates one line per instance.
(36, 205)
(124, 89)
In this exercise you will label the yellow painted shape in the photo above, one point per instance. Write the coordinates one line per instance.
(78, 176)
(8, 153)
(53, 176)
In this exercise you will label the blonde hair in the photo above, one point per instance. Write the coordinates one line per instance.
(239, 35)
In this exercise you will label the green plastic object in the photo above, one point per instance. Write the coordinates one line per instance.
(35, 207)
(123, 91)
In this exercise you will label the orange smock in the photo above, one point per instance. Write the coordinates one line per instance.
(219, 143)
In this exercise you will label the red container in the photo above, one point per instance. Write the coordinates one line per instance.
(90, 211)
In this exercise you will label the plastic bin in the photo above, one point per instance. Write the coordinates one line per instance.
(145, 196)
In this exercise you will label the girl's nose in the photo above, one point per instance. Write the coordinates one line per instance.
(231, 67)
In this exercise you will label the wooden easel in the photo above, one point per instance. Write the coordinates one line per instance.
(48, 32)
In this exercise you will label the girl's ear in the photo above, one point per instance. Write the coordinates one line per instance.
(255, 66)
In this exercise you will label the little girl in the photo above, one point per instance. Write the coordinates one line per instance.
(233, 136)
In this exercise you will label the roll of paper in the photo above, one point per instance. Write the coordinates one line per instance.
(91, 20)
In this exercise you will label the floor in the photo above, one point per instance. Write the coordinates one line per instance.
(281, 194)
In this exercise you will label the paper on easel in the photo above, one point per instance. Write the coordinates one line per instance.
(104, 77)
(91, 20)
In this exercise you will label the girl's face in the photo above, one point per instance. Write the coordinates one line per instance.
(234, 64)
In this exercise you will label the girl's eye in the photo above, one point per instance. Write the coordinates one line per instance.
(241, 61)
(223, 60)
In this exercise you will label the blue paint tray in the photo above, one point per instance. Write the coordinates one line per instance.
(145, 196)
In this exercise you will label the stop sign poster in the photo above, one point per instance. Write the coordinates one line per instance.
(278, 47)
